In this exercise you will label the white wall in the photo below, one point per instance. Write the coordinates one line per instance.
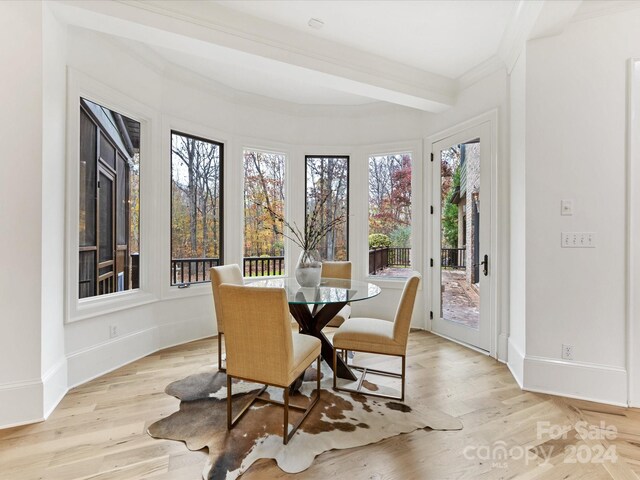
(575, 149)
(54, 366)
(517, 204)
(21, 211)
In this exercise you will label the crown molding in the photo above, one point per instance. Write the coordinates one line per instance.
(480, 71)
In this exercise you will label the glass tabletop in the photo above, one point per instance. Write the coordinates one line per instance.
(331, 290)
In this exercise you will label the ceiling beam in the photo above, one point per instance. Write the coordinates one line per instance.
(235, 38)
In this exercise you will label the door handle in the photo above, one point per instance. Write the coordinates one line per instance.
(485, 265)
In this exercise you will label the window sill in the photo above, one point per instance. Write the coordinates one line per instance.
(193, 290)
(106, 304)
(392, 283)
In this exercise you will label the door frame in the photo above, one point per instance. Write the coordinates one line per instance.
(497, 328)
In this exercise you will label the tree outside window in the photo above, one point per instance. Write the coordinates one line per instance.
(390, 214)
(264, 184)
(327, 180)
(196, 207)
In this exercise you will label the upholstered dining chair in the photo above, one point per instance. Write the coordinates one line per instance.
(219, 275)
(262, 348)
(338, 270)
(372, 335)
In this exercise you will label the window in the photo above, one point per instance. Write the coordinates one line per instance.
(109, 201)
(390, 215)
(196, 208)
(328, 189)
(263, 205)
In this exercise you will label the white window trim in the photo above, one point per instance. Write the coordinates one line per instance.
(81, 85)
(413, 147)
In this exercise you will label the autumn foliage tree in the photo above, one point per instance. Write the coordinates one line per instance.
(390, 197)
(195, 197)
(263, 203)
(327, 183)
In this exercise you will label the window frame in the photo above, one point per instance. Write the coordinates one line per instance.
(76, 309)
(348, 193)
(221, 145)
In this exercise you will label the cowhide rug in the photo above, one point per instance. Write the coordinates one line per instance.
(338, 421)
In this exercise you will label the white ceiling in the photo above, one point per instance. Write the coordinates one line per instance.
(249, 78)
(444, 37)
(418, 54)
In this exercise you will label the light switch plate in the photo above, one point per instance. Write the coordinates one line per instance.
(566, 207)
(578, 240)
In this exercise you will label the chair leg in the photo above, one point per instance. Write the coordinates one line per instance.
(366, 370)
(335, 366)
(318, 377)
(404, 362)
(285, 437)
(220, 367)
(229, 413)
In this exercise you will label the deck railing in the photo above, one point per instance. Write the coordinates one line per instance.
(191, 270)
(196, 270)
(263, 266)
(385, 257)
(453, 257)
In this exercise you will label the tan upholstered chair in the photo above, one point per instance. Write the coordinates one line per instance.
(219, 275)
(379, 336)
(338, 270)
(262, 348)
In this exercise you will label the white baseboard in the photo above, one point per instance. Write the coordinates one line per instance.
(21, 403)
(177, 333)
(515, 362)
(54, 386)
(95, 361)
(596, 383)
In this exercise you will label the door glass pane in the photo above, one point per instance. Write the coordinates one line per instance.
(460, 234)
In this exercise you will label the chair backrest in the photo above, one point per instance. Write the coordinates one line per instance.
(336, 270)
(258, 337)
(402, 321)
(219, 275)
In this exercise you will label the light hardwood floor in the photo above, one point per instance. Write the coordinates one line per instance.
(99, 429)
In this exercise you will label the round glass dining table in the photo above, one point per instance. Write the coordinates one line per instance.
(314, 307)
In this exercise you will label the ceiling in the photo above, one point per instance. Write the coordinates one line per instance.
(418, 54)
(444, 37)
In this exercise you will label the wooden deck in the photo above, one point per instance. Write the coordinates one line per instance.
(98, 431)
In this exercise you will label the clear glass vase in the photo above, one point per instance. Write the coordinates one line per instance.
(309, 268)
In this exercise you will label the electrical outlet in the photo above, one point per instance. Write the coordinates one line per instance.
(113, 331)
(567, 352)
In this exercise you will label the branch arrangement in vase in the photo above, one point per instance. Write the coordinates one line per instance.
(315, 228)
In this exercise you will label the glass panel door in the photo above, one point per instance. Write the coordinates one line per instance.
(461, 226)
